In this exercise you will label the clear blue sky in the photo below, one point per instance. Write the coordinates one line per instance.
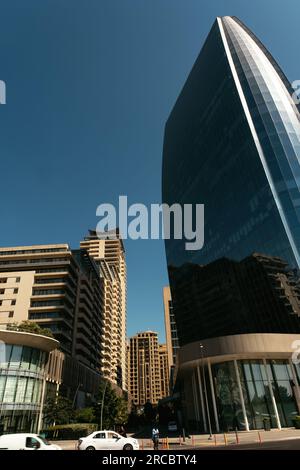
(90, 85)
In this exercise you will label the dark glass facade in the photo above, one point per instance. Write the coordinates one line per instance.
(232, 143)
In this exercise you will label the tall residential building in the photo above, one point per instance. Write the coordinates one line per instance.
(170, 327)
(109, 254)
(164, 371)
(232, 143)
(144, 381)
(171, 334)
(60, 290)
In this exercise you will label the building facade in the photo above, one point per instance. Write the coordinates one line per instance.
(164, 371)
(24, 370)
(108, 251)
(144, 384)
(59, 289)
(172, 342)
(232, 143)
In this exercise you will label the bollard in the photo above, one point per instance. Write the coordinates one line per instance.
(215, 438)
(225, 439)
(237, 437)
(193, 441)
(259, 437)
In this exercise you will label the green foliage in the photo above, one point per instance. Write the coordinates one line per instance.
(84, 415)
(30, 327)
(58, 410)
(69, 431)
(115, 411)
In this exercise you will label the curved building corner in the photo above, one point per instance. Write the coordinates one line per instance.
(26, 370)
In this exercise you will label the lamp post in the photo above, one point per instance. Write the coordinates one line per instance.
(205, 392)
(75, 396)
(102, 405)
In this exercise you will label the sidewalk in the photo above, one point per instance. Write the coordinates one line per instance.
(230, 438)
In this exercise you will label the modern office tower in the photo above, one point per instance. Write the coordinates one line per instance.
(144, 382)
(109, 254)
(232, 143)
(164, 371)
(60, 290)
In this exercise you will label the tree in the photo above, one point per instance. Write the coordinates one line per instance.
(115, 410)
(30, 327)
(84, 415)
(58, 410)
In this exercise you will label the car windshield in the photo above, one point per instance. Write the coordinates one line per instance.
(47, 443)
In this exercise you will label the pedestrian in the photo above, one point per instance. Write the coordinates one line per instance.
(155, 437)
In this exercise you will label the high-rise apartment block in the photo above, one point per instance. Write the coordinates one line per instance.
(164, 371)
(107, 250)
(148, 369)
(59, 289)
(170, 327)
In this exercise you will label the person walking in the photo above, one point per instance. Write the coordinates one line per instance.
(155, 437)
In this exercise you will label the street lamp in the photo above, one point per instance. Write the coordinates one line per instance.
(102, 404)
(75, 396)
(205, 391)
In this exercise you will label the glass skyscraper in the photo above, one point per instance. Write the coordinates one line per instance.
(232, 143)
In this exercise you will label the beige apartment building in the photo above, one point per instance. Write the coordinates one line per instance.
(109, 254)
(148, 369)
(164, 371)
(170, 327)
(59, 289)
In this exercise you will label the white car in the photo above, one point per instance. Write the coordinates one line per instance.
(107, 440)
(25, 441)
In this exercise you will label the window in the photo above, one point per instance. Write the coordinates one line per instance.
(10, 389)
(100, 435)
(16, 291)
(2, 291)
(18, 279)
(10, 314)
(3, 280)
(13, 302)
(32, 443)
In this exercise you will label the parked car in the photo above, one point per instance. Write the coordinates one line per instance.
(172, 426)
(107, 440)
(25, 441)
